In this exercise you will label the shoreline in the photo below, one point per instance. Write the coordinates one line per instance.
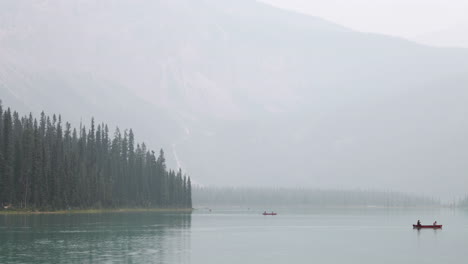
(97, 211)
(246, 208)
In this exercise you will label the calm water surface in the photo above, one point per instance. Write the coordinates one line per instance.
(237, 236)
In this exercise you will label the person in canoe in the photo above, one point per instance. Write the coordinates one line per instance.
(435, 223)
(419, 223)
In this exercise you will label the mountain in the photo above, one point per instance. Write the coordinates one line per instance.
(446, 37)
(259, 95)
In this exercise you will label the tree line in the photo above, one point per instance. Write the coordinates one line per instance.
(45, 165)
(296, 197)
(463, 202)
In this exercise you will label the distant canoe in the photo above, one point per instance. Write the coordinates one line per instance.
(272, 213)
(427, 226)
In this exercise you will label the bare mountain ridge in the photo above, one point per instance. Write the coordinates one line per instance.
(246, 94)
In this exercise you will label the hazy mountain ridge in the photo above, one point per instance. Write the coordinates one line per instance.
(262, 91)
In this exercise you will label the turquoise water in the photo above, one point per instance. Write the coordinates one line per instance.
(237, 236)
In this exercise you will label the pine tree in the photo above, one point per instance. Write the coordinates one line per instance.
(189, 193)
(131, 186)
(36, 170)
(45, 166)
(2, 157)
(8, 160)
(27, 156)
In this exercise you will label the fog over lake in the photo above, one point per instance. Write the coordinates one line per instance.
(236, 236)
(221, 131)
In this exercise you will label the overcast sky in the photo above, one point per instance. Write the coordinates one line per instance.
(433, 22)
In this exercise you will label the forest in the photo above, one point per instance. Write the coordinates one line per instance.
(48, 165)
(463, 202)
(304, 197)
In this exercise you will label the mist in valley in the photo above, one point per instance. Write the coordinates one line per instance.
(233, 131)
(245, 94)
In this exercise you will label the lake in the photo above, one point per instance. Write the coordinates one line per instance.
(237, 236)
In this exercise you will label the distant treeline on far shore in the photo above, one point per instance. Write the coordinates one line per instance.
(464, 202)
(288, 197)
(46, 164)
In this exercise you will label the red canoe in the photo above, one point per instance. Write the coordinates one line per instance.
(269, 213)
(427, 226)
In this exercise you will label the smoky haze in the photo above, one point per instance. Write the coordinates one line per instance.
(430, 22)
(240, 93)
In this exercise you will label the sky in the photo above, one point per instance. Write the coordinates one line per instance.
(431, 22)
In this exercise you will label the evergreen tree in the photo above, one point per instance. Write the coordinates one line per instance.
(2, 160)
(8, 160)
(46, 166)
(189, 193)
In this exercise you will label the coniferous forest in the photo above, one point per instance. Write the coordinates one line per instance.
(464, 202)
(293, 197)
(46, 164)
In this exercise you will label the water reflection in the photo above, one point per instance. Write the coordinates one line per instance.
(435, 230)
(96, 238)
(427, 231)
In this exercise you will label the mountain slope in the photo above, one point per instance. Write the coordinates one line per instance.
(267, 96)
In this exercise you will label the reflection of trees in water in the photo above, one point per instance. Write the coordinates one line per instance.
(132, 237)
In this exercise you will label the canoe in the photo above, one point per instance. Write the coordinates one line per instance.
(269, 214)
(427, 226)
